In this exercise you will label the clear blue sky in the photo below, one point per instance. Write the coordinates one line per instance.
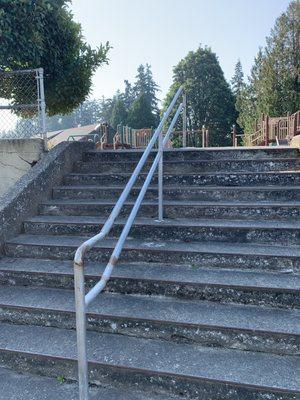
(161, 32)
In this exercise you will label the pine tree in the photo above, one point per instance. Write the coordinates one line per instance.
(140, 114)
(119, 113)
(146, 85)
(128, 95)
(237, 81)
(209, 97)
(274, 84)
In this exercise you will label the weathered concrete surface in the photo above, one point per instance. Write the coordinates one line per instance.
(179, 281)
(183, 321)
(17, 156)
(26, 386)
(23, 198)
(204, 254)
(196, 372)
(188, 296)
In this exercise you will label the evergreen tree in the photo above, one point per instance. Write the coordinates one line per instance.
(209, 98)
(119, 113)
(140, 114)
(237, 81)
(129, 95)
(274, 84)
(146, 85)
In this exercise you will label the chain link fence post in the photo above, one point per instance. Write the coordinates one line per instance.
(22, 105)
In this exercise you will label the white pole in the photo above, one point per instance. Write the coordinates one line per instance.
(184, 121)
(81, 332)
(42, 107)
(160, 177)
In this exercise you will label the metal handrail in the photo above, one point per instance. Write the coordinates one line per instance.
(82, 300)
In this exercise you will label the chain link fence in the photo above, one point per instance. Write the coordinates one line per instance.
(22, 104)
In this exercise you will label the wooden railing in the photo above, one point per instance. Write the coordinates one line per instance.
(274, 130)
(127, 137)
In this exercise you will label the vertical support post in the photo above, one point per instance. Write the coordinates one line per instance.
(206, 138)
(203, 136)
(81, 332)
(295, 123)
(160, 177)
(184, 117)
(234, 138)
(42, 107)
(267, 137)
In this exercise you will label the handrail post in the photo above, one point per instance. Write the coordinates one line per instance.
(184, 120)
(203, 136)
(234, 138)
(160, 176)
(42, 107)
(81, 332)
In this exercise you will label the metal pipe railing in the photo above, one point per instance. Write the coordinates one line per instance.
(82, 300)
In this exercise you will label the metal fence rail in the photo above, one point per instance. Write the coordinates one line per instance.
(82, 300)
(22, 104)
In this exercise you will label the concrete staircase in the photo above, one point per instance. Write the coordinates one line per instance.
(204, 305)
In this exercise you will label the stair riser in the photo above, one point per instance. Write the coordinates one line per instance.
(104, 374)
(181, 211)
(159, 255)
(203, 234)
(221, 294)
(200, 194)
(192, 166)
(233, 179)
(197, 155)
(182, 333)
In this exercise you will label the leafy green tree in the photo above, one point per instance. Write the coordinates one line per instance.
(210, 101)
(42, 33)
(274, 84)
(140, 114)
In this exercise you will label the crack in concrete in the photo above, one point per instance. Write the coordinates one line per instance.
(32, 163)
(12, 166)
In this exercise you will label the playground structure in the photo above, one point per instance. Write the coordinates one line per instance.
(127, 138)
(272, 130)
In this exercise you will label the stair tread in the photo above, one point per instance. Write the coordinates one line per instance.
(181, 222)
(157, 356)
(183, 188)
(16, 386)
(245, 149)
(159, 309)
(277, 172)
(199, 203)
(166, 246)
(193, 161)
(161, 272)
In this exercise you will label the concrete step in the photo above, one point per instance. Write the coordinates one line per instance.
(194, 193)
(173, 368)
(191, 166)
(240, 327)
(259, 231)
(180, 281)
(178, 209)
(278, 178)
(196, 154)
(25, 386)
(224, 255)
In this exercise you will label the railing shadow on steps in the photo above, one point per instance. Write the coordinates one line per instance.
(82, 300)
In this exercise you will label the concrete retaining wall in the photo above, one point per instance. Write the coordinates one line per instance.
(17, 156)
(23, 198)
